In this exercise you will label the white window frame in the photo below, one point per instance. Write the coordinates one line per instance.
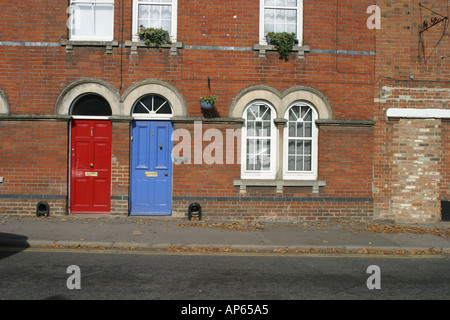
(260, 174)
(301, 175)
(152, 113)
(299, 31)
(73, 12)
(174, 22)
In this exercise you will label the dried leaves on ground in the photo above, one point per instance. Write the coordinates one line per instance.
(395, 228)
(207, 249)
(233, 226)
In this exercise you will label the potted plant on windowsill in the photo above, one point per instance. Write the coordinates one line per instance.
(154, 36)
(207, 102)
(283, 42)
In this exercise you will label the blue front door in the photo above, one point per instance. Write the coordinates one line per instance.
(151, 168)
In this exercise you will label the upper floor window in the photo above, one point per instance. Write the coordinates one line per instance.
(281, 16)
(159, 14)
(91, 20)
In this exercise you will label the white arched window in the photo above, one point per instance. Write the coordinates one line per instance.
(152, 106)
(300, 142)
(259, 141)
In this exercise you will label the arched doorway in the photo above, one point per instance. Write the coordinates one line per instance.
(151, 161)
(90, 156)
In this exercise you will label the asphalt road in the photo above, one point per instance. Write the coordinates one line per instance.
(40, 274)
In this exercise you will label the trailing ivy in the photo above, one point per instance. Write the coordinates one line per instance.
(283, 42)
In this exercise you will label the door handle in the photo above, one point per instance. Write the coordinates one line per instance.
(91, 165)
(166, 174)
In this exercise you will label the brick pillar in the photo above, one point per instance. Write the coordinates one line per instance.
(417, 157)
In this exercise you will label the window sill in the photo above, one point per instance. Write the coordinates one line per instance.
(69, 44)
(140, 44)
(279, 184)
(262, 49)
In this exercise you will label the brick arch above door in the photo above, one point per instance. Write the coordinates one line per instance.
(154, 86)
(85, 86)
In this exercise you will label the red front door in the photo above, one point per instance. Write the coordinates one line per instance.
(91, 167)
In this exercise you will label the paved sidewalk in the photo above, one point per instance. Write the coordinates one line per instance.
(181, 234)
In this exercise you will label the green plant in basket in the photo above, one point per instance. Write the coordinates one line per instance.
(283, 42)
(154, 36)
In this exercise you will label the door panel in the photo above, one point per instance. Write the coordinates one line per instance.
(91, 167)
(151, 168)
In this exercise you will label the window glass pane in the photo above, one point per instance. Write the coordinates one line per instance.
(299, 163)
(291, 163)
(308, 129)
(84, 21)
(91, 104)
(299, 147)
(155, 12)
(269, 15)
(155, 16)
(306, 113)
(294, 113)
(266, 129)
(292, 147)
(307, 163)
(258, 129)
(265, 112)
(307, 150)
(103, 20)
(144, 15)
(280, 20)
(299, 129)
(291, 129)
(266, 162)
(269, 2)
(251, 113)
(280, 16)
(280, 3)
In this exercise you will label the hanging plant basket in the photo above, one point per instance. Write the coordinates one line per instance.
(207, 102)
(206, 105)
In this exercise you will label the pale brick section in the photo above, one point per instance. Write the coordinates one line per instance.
(416, 170)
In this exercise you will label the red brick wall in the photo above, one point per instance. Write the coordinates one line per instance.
(345, 161)
(34, 165)
(34, 77)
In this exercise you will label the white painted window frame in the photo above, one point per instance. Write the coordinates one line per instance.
(152, 115)
(299, 32)
(261, 174)
(301, 175)
(73, 14)
(174, 22)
